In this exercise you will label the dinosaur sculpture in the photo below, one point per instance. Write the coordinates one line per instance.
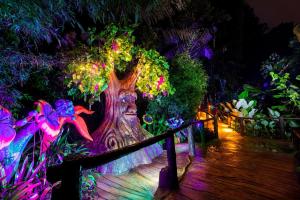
(46, 119)
(7, 132)
(51, 121)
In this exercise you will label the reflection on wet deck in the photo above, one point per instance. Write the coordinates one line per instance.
(239, 168)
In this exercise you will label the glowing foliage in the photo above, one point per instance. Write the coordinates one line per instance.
(190, 81)
(90, 73)
(286, 89)
(154, 74)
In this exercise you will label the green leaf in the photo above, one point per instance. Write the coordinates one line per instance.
(281, 108)
(264, 122)
(294, 87)
(277, 96)
(104, 87)
(243, 95)
(272, 124)
(294, 123)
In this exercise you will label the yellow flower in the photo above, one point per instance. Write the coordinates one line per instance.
(81, 88)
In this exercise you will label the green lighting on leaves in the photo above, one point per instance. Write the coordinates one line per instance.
(90, 73)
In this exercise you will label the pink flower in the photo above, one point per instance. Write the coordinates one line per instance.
(165, 93)
(115, 46)
(160, 81)
(95, 66)
(103, 65)
(96, 88)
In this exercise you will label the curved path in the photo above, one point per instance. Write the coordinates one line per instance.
(240, 168)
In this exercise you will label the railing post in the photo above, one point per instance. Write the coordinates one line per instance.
(216, 132)
(71, 182)
(172, 165)
(168, 175)
(281, 125)
(191, 141)
(242, 127)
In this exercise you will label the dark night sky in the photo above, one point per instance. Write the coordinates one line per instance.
(273, 12)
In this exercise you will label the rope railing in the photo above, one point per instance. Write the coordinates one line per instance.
(69, 172)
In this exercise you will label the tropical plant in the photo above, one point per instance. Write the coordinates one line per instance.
(16, 70)
(46, 20)
(273, 64)
(31, 32)
(157, 126)
(89, 184)
(265, 124)
(246, 109)
(29, 183)
(187, 76)
(61, 147)
(286, 91)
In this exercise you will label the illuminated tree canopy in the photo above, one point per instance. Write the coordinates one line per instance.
(90, 72)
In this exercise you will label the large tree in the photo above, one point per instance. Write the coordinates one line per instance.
(97, 71)
(34, 33)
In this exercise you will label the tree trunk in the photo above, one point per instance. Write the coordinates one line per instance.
(120, 126)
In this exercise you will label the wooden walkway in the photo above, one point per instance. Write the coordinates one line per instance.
(142, 182)
(236, 168)
(239, 168)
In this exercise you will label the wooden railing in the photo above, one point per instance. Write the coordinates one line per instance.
(281, 121)
(69, 172)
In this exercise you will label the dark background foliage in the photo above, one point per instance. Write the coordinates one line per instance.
(36, 38)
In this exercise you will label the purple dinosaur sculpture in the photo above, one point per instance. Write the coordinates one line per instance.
(46, 119)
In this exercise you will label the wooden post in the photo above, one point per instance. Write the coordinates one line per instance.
(202, 138)
(172, 165)
(296, 139)
(281, 125)
(216, 126)
(168, 175)
(71, 182)
(229, 121)
(242, 127)
(191, 141)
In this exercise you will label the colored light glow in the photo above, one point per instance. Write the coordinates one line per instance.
(48, 120)
(208, 53)
(227, 130)
(224, 125)
(148, 119)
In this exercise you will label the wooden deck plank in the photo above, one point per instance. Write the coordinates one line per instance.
(141, 182)
(237, 168)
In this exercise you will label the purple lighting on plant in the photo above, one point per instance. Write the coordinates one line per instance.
(200, 125)
(208, 53)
